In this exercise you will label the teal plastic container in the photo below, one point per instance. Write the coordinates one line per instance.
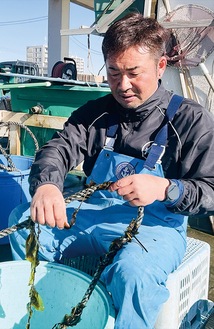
(60, 287)
(14, 188)
(56, 101)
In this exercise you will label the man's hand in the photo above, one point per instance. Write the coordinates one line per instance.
(141, 189)
(48, 207)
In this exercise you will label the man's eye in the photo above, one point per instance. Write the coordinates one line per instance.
(114, 74)
(133, 74)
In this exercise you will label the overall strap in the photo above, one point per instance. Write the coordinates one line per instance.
(158, 147)
(111, 133)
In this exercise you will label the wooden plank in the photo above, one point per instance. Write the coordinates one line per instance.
(15, 117)
(45, 121)
(3, 132)
(5, 115)
(33, 120)
(15, 143)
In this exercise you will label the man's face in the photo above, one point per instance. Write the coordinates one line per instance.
(133, 76)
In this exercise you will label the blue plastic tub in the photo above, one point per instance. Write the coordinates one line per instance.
(14, 188)
(60, 287)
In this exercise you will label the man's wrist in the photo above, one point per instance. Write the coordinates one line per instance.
(173, 192)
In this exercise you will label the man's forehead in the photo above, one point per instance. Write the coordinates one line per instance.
(127, 68)
(129, 54)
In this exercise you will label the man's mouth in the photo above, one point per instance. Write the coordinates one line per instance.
(127, 96)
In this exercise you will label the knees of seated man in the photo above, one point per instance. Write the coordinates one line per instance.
(138, 290)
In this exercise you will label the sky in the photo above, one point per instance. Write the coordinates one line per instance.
(25, 23)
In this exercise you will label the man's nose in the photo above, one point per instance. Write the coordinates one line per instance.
(125, 83)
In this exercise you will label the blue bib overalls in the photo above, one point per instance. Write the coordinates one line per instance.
(136, 279)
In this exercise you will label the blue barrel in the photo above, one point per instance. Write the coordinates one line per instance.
(60, 287)
(14, 188)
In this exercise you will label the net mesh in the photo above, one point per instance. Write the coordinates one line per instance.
(189, 46)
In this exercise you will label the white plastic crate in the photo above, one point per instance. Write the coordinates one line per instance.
(187, 285)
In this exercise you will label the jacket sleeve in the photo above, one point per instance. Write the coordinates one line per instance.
(59, 155)
(81, 139)
(196, 162)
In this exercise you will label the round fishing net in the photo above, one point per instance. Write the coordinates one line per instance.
(191, 37)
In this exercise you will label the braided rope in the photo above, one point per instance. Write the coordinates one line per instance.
(116, 245)
(81, 195)
(10, 230)
(87, 192)
(76, 312)
(11, 166)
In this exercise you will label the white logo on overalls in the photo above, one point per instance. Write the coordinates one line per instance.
(124, 169)
(146, 148)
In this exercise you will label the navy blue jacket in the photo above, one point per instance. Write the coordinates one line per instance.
(189, 154)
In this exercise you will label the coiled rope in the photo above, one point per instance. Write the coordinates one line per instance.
(11, 166)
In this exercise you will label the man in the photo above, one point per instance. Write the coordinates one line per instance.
(158, 151)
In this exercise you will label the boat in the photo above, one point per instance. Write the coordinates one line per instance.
(19, 67)
(43, 104)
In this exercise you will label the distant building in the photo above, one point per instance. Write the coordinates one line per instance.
(79, 63)
(38, 55)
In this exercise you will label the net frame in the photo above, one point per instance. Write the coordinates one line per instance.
(190, 44)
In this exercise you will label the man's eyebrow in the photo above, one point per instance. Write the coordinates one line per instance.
(127, 69)
(132, 68)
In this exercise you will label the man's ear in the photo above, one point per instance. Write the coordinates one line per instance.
(162, 66)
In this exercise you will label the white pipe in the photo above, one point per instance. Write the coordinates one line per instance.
(207, 75)
(167, 6)
(147, 8)
(183, 84)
